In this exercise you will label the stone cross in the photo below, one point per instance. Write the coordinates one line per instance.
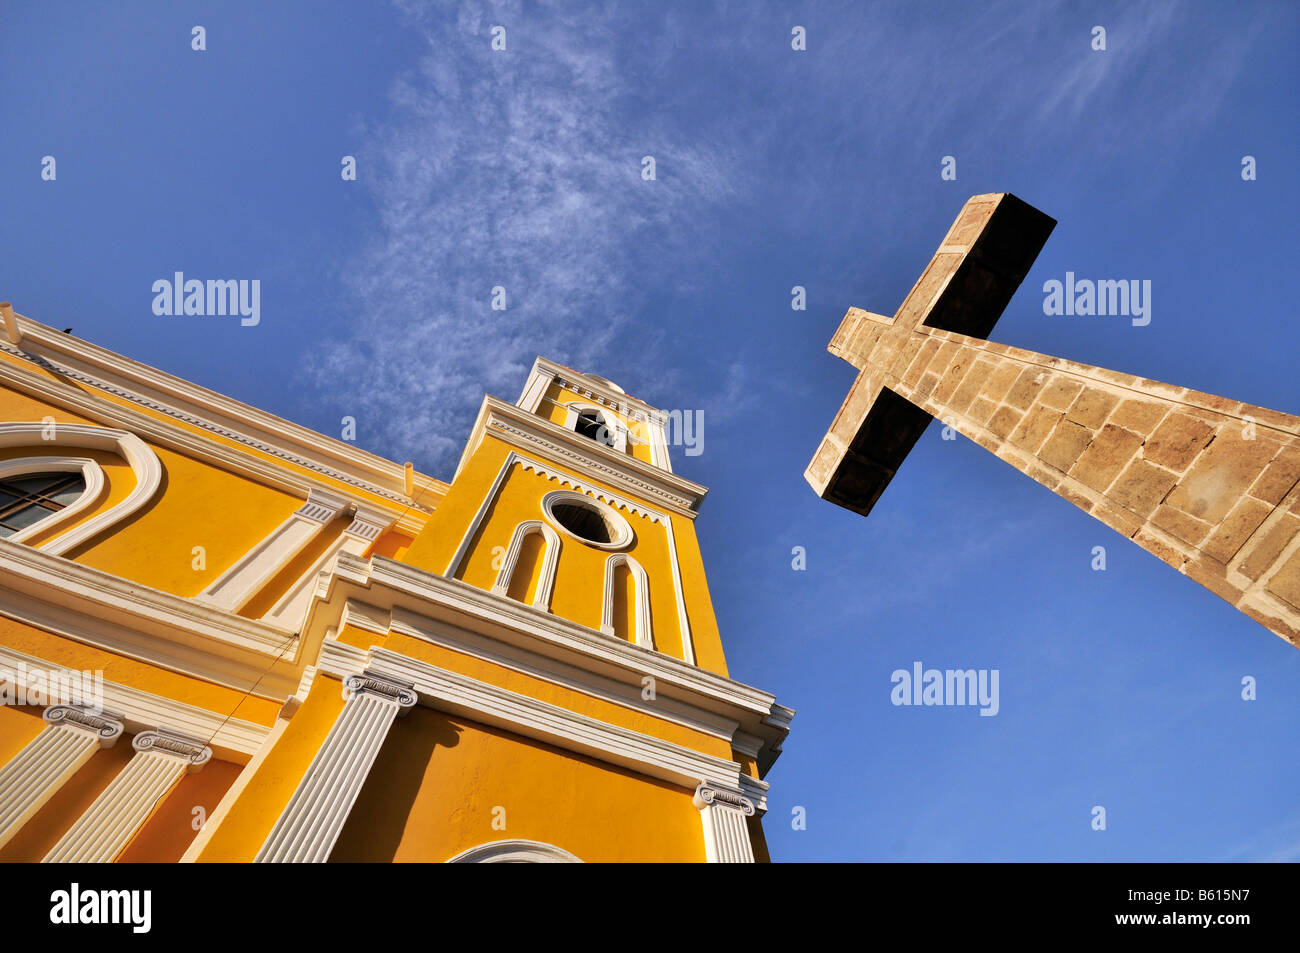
(1208, 484)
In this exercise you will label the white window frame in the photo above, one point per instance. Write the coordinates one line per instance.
(134, 451)
(550, 558)
(641, 592)
(610, 420)
(613, 518)
(91, 474)
(515, 852)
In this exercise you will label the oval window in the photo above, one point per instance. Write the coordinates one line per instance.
(587, 520)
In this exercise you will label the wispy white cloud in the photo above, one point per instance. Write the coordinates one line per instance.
(515, 169)
(522, 169)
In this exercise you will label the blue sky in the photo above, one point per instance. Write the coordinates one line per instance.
(774, 168)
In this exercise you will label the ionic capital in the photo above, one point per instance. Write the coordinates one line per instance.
(400, 693)
(707, 795)
(193, 750)
(106, 725)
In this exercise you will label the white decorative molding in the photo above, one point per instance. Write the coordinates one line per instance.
(623, 472)
(101, 833)
(579, 460)
(550, 558)
(134, 451)
(489, 704)
(722, 815)
(184, 635)
(191, 405)
(234, 738)
(515, 852)
(235, 587)
(193, 751)
(381, 593)
(640, 594)
(35, 774)
(311, 822)
(625, 692)
(365, 528)
(586, 489)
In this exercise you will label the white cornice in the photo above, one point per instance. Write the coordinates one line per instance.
(542, 438)
(148, 387)
(492, 705)
(233, 739)
(458, 615)
(124, 617)
(586, 386)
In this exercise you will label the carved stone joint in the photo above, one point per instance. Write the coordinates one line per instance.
(706, 795)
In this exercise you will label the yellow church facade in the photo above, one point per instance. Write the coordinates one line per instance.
(227, 638)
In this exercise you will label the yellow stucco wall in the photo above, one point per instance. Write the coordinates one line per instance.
(442, 785)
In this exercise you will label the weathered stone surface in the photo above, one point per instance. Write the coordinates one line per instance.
(1060, 393)
(1177, 441)
(1286, 583)
(1108, 454)
(1092, 406)
(1221, 474)
(1141, 486)
(1065, 445)
(1264, 550)
(1139, 416)
(1035, 427)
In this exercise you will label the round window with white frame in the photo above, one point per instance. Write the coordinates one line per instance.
(587, 520)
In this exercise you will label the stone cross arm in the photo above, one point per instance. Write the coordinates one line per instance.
(985, 255)
(1208, 484)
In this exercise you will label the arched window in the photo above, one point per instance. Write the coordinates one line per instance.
(26, 500)
(592, 426)
(144, 463)
(627, 593)
(533, 552)
(596, 424)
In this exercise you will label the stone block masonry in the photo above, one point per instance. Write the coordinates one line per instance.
(1208, 484)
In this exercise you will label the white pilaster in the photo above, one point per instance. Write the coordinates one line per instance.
(313, 819)
(238, 584)
(726, 835)
(161, 759)
(364, 529)
(70, 737)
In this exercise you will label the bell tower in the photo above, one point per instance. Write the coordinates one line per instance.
(536, 674)
(573, 510)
